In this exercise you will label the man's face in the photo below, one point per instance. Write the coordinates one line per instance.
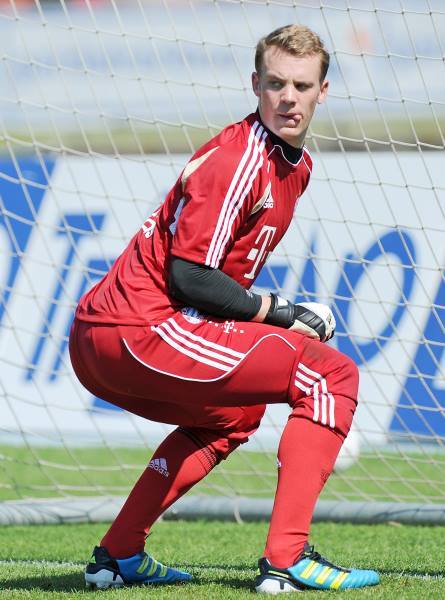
(288, 89)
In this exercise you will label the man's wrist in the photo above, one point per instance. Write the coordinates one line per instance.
(264, 309)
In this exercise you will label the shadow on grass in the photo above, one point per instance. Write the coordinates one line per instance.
(213, 567)
(430, 573)
(75, 582)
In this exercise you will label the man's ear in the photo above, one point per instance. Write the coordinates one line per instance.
(256, 84)
(323, 92)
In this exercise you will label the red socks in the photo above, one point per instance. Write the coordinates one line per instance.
(175, 467)
(307, 454)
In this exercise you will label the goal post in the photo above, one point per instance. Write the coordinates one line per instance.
(101, 105)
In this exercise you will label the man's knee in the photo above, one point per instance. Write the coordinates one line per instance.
(321, 366)
(325, 388)
(224, 438)
(342, 393)
(347, 374)
(215, 445)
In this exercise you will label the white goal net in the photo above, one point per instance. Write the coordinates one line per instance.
(101, 104)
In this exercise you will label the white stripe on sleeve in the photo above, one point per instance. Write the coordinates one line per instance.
(235, 195)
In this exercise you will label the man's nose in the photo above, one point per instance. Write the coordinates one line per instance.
(288, 94)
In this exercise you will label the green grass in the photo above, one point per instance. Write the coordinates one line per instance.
(40, 562)
(46, 562)
(27, 472)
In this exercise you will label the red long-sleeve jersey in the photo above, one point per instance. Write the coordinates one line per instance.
(229, 208)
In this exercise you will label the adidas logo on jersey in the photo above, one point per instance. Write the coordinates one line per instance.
(266, 200)
(269, 202)
(159, 465)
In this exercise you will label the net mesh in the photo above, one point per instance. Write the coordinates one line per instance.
(101, 104)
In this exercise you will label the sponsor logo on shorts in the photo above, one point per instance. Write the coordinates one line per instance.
(159, 465)
(192, 315)
(228, 326)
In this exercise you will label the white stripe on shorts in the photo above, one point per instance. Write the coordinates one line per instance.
(212, 363)
(201, 340)
(324, 401)
(197, 347)
(185, 343)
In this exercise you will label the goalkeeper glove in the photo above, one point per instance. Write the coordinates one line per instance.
(309, 318)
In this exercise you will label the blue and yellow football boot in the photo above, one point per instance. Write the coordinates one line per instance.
(103, 571)
(310, 572)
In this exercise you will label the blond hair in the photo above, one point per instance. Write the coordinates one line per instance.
(298, 40)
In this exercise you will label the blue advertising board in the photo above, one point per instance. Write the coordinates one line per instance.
(373, 251)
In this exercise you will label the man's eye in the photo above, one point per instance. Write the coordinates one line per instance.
(275, 84)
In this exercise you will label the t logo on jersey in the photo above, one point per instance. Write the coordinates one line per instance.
(260, 250)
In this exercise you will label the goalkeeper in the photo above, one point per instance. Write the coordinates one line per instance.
(173, 334)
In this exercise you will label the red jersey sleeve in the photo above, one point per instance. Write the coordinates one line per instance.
(220, 189)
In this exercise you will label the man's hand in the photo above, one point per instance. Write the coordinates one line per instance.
(312, 319)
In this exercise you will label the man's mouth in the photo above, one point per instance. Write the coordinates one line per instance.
(295, 117)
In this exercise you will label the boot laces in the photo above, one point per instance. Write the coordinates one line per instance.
(309, 552)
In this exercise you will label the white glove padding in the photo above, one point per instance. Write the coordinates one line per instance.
(314, 320)
(309, 318)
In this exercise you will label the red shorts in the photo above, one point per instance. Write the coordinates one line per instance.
(215, 374)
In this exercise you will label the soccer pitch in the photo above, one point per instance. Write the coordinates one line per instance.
(46, 562)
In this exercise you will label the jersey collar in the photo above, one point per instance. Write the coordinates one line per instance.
(291, 154)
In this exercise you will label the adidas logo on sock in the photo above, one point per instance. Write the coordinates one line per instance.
(159, 465)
